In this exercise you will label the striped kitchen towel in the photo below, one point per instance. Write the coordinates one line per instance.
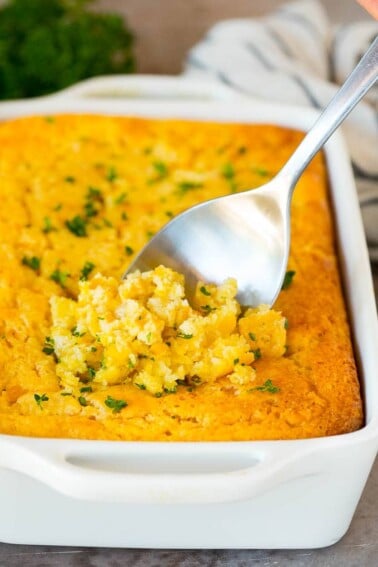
(294, 55)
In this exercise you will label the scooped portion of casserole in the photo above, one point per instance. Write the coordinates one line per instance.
(144, 331)
(83, 355)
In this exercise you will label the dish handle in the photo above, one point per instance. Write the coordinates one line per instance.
(152, 473)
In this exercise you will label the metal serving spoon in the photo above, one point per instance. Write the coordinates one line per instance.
(247, 235)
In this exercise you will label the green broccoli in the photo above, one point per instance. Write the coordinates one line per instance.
(46, 45)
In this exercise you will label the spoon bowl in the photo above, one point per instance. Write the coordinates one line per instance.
(247, 235)
(217, 238)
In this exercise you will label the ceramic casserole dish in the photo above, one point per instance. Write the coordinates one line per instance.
(259, 494)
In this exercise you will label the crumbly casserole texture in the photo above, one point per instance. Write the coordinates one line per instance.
(85, 356)
(144, 331)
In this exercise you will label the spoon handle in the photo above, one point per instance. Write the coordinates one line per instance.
(355, 87)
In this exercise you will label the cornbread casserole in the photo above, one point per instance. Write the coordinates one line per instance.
(81, 195)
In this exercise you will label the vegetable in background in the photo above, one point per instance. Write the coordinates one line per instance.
(46, 45)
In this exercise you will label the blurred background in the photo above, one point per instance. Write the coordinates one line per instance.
(46, 45)
(166, 29)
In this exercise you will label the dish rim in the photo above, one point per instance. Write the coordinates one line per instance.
(339, 173)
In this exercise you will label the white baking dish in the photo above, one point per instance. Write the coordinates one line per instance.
(277, 494)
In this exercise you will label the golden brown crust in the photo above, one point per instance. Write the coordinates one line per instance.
(319, 390)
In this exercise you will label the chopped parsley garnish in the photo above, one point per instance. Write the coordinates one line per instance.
(77, 225)
(59, 277)
(58, 207)
(66, 393)
(90, 210)
(39, 398)
(169, 214)
(257, 353)
(228, 171)
(140, 386)
(48, 347)
(111, 174)
(130, 363)
(260, 170)
(204, 290)
(288, 279)
(69, 179)
(252, 336)
(208, 308)
(107, 222)
(82, 401)
(77, 333)
(32, 262)
(91, 372)
(86, 389)
(185, 186)
(124, 216)
(236, 361)
(94, 194)
(171, 390)
(47, 225)
(286, 324)
(161, 169)
(120, 199)
(181, 335)
(86, 270)
(268, 386)
(115, 405)
(129, 251)
(50, 119)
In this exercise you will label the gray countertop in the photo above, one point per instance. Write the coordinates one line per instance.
(358, 548)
